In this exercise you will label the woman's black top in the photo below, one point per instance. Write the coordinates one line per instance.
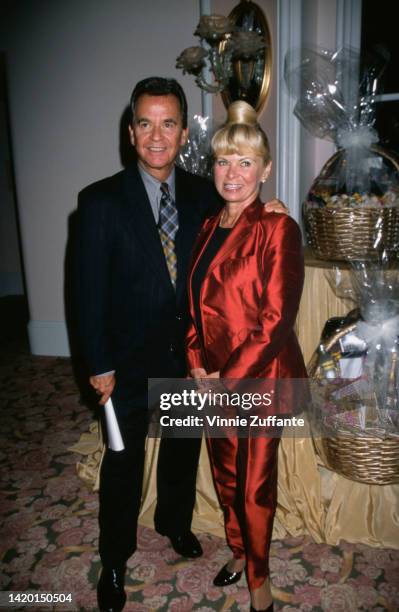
(218, 237)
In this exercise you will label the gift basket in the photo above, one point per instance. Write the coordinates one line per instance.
(352, 209)
(355, 378)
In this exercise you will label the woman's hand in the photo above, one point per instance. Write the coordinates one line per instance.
(212, 383)
(198, 373)
(276, 206)
(213, 375)
(204, 380)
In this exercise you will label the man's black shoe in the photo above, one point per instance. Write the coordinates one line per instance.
(185, 544)
(111, 595)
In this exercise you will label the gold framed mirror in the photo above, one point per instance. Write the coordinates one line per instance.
(251, 77)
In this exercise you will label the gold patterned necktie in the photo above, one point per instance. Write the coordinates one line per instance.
(167, 227)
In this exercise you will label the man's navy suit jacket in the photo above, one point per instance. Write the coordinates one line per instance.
(131, 319)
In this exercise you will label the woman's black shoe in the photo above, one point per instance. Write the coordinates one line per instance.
(224, 577)
(269, 609)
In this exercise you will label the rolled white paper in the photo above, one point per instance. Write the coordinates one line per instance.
(115, 441)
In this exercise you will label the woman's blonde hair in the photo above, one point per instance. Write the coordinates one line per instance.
(241, 133)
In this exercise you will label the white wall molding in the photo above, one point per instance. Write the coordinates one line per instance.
(48, 338)
(288, 127)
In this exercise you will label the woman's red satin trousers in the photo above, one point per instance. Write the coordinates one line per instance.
(245, 474)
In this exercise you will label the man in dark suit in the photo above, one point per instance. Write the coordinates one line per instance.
(132, 312)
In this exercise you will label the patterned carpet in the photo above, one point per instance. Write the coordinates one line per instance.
(49, 523)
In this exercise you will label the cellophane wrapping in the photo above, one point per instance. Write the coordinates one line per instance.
(196, 155)
(356, 375)
(335, 96)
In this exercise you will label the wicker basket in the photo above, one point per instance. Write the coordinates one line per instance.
(368, 460)
(348, 233)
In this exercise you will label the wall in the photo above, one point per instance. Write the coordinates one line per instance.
(71, 68)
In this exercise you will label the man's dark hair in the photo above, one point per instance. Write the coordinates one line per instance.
(158, 86)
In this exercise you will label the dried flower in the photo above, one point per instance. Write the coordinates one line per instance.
(214, 27)
(247, 45)
(191, 60)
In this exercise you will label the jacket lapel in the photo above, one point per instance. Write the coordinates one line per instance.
(140, 218)
(240, 232)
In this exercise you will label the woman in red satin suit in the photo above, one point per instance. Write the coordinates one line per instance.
(245, 285)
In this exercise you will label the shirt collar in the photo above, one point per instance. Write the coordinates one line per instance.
(153, 185)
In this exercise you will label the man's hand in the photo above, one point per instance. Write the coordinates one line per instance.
(276, 206)
(104, 385)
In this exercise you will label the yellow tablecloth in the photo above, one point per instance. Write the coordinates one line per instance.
(311, 499)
